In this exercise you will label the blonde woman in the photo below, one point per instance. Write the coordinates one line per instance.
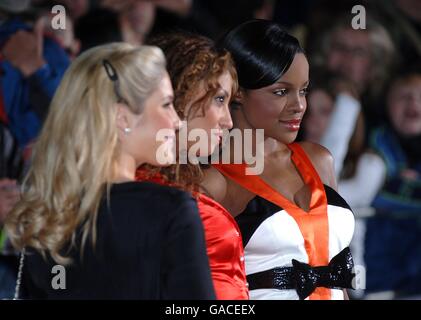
(81, 207)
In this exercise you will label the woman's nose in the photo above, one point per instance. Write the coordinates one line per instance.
(226, 120)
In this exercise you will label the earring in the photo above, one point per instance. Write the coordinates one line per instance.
(127, 130)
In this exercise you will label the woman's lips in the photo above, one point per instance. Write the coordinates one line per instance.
(218, 138)
(292, 125)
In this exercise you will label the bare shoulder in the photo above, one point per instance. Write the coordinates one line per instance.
(316, 152)
(322, 161)
(233, 197)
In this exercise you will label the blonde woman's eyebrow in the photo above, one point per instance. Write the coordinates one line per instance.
(169, 97)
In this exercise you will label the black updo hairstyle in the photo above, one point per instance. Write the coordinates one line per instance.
(262, 52)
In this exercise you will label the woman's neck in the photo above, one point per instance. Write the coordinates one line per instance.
(124, 169)
(275, 148)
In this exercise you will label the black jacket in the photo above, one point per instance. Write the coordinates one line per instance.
(150, 245)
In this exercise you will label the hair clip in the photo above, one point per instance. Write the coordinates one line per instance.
(112, 74)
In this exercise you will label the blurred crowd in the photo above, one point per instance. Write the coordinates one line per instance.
(364, 102)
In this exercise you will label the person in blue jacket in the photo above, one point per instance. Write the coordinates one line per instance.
(31, 67)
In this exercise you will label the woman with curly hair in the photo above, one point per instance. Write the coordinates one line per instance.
(81, 206)
(204, 80)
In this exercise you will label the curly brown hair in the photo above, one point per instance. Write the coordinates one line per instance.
(192, 61)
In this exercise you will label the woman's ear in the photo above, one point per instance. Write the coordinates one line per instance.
(123, 118)
(237, 101)
(239, 97)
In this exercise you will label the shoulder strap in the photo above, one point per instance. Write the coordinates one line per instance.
(19, 277)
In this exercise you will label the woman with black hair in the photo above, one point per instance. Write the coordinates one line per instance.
(297, 229)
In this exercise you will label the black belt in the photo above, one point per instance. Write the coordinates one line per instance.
(304, 278)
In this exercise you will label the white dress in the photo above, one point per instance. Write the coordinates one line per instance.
(275, 231)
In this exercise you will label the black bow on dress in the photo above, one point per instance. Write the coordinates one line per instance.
(337, 274)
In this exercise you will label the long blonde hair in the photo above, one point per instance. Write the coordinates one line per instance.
(74, 156)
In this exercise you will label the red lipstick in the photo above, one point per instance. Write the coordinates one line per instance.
(292, 125)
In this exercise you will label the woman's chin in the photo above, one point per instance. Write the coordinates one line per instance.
(285, 138)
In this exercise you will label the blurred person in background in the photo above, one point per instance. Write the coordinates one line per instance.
(393, 237)
(32, 66)
(399, 143)
(365, 57)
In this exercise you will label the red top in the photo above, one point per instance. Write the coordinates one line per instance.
(225, 250)
(223, 244)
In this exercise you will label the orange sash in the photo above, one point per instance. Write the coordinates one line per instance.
(313, 224)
